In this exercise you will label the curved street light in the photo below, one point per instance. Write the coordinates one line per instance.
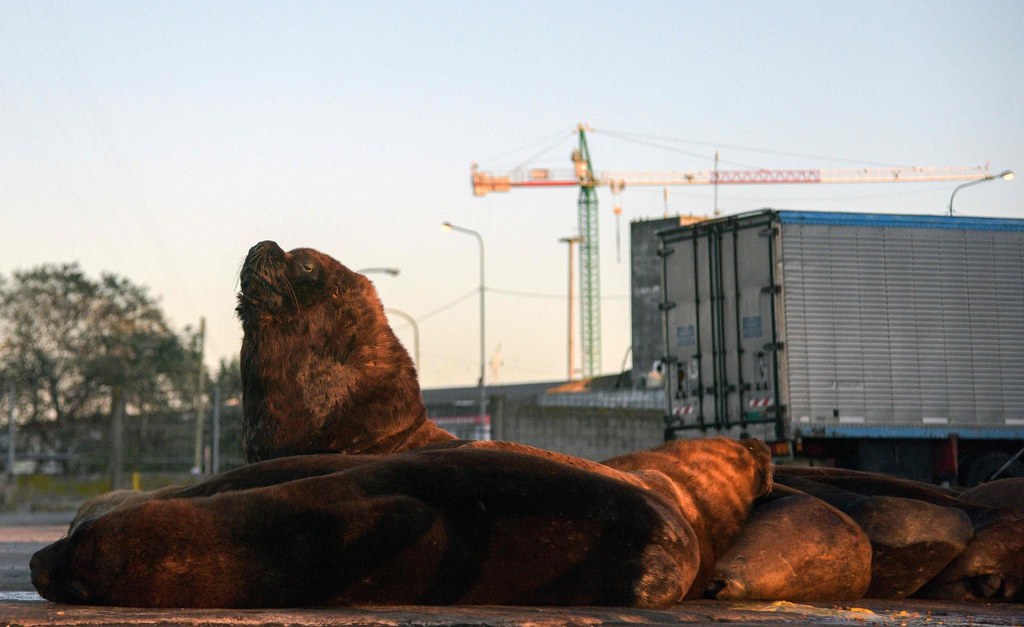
(448, 227)
(415, 333)
(1006, 175)
(391, 271)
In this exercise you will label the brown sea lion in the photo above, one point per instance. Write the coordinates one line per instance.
(457, 526)
(794, 547)
(911, 540)
(665, 473)
(1008, 492)
(276, 299)
(714, 481)
(321, 369)
(990, 568)
(306, 307)
(258, 475)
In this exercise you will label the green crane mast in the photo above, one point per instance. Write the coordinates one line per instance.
(590, 260)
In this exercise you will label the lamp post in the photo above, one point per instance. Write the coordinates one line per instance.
(570, 241)
(391, 271)
(448, 227)
(1006, 175)
(415, 333)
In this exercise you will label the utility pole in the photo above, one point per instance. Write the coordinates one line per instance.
(717, 213)
(197, 467)
(570, 241)
(10, 429)
(215, 460)
(117, 438)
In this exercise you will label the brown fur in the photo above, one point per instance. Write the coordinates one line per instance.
(323, 372)
(795, 548)
(911, 540)
(1008, 492)
(459, 526)
(714, 481)
(665, 474)
(990, 568)
(321, 369)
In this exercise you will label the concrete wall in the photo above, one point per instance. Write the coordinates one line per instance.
(588, 432)
(645, 293)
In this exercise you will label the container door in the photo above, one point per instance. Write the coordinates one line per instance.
(719, 324)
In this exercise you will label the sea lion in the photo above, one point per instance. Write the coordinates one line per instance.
(665, 474)
(1008, 492)
(456, 526)
(794, 547)
(714, 481)
(990, 568)
(911, 540)
(321, 369)
(301, 306)
(257, 475)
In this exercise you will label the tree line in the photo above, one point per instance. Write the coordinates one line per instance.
(77, 349)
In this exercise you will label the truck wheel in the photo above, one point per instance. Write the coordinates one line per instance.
(982, 467)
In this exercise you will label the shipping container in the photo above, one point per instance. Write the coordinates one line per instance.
(892, 343)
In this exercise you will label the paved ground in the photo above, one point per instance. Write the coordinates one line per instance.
(19, 605)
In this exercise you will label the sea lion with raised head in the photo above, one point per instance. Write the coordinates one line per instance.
(322, 372)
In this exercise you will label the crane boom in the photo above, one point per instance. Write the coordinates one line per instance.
(484, 182)
(582, 175)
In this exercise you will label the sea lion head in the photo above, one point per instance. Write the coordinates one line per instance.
(274, 281)
(322, 371)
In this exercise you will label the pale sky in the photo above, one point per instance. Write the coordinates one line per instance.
(160, 140)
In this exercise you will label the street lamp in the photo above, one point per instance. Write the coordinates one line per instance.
(391, 271)
(1006, 175)
(448, 227)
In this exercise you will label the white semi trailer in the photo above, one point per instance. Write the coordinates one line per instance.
(892, 343)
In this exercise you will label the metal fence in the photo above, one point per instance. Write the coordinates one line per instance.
(164, 443)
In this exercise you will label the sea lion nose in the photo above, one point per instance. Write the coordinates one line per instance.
(40, 573)
(263, 247)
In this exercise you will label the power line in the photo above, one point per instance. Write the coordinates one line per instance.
(504, 292)
(448, 305)
(560, 135)
(634, 137)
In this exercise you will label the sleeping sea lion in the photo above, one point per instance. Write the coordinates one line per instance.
(911, 540)
(245, 491)
(457, 526)
(794, 547)
(714, 481)
(990, 568)
(1008, 492)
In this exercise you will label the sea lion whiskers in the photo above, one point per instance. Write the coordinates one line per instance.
(273, 276)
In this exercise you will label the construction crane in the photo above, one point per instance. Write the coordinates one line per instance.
(582, 175)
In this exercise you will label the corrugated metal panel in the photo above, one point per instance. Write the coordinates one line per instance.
(903, 320)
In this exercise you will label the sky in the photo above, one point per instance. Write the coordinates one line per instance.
(160, 140)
